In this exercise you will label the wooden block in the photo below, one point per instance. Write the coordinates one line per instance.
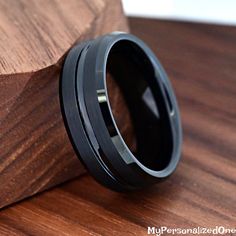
(35, 152)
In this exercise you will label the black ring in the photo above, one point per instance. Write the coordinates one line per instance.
(90, 122)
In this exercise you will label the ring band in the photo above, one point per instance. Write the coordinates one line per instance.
(91, 124)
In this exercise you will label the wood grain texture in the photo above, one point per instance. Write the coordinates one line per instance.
(35, 152)
(36, 34)
(201, 62)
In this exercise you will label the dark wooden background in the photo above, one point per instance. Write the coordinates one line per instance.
(201, 62)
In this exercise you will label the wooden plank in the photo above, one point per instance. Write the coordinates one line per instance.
(201, 62)
(35, 152)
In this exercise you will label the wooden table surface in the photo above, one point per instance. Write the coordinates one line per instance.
(201, 62)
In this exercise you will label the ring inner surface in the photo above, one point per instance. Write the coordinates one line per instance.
(147, 129)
